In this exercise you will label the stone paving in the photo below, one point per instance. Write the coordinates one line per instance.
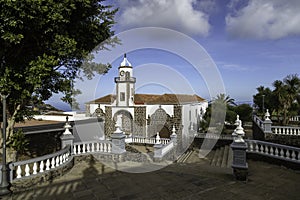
(194, 180)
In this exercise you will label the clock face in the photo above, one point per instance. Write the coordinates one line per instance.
(122, 73)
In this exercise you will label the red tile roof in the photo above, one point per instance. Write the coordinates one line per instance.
(142, 99)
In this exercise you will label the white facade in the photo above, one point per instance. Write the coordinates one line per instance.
(124, 102)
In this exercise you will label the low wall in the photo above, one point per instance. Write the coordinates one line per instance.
(27, 183)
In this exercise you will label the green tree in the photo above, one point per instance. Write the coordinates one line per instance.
(263, 98)
(44, 44)
(222, 104)
(283, 101)
(244, 111)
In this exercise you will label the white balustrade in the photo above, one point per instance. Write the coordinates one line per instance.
(39, 165)
(91, 147)
(274, 150)
(286, 130)
(143, 140)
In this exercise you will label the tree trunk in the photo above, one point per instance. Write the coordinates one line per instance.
(11, 120)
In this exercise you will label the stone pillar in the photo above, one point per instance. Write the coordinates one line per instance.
(239, 147)
(157, 147)
(67, 138)
(118, 141)
(173, 136)
(267, 123)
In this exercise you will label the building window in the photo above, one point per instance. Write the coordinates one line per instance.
(190, 115)
(122, 96)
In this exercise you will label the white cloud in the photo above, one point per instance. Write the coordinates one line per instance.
(267, 19)
(180, 15)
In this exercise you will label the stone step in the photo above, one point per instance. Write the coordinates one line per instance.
(230, 158)
(215, 158)
(184, 156)
(220, 158)
(225, 157)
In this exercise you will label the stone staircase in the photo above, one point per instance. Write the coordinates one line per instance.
(221, 157)
(185, 156)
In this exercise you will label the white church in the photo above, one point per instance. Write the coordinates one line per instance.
(145, 115)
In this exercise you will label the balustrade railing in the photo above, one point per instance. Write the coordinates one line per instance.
(259, 122)
(214, 136)
(295, 119)
(92, 147)
(285, 130)
(39, 165)
(143, 140)
(167, 148)
(277, 151)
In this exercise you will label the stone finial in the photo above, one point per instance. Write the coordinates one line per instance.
(237, 121)
(67, 127)
(118, 129)
(267, 115)
(173, 130)
(158, 141)
(238, 133)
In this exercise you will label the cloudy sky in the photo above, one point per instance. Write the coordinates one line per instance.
(252, 42)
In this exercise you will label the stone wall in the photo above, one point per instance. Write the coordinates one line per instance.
(109, 122)
(177, 122)
(139, 125)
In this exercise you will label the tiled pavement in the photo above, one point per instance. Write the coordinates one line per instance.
(195, 180)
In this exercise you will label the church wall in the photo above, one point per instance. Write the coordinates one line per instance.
(93, 107)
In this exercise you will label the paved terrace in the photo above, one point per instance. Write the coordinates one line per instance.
(194, 180)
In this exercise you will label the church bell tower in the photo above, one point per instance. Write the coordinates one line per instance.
(125, 84)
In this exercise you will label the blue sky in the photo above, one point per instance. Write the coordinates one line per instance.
(251, 42)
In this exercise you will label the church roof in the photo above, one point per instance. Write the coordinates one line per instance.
(150, 99)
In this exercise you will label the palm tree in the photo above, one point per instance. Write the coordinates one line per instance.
(292, 85)
(222, 98)
(286, 94)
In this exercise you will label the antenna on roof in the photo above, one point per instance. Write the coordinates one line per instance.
(124, 55)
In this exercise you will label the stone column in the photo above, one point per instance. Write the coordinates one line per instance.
(118, 141)
(157, 147)
(239, 147)
(67, 138)
(173, 136)
(267, 125)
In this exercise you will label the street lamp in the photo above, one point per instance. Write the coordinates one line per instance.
(4, 183)
(263, 106)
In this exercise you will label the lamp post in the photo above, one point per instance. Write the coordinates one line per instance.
(263, 102)
(4, 183)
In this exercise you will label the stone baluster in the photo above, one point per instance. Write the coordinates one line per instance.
(60, 159)
(42, 166)
(271, 150)
(97, 147)
(287, 154)
(53, 163)
(293, 155)
(34, 168)
(48, 164)
(276, 151)
(93, 147)
(57, 161)
(27, 170)
(19, 172)
(87, 147)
